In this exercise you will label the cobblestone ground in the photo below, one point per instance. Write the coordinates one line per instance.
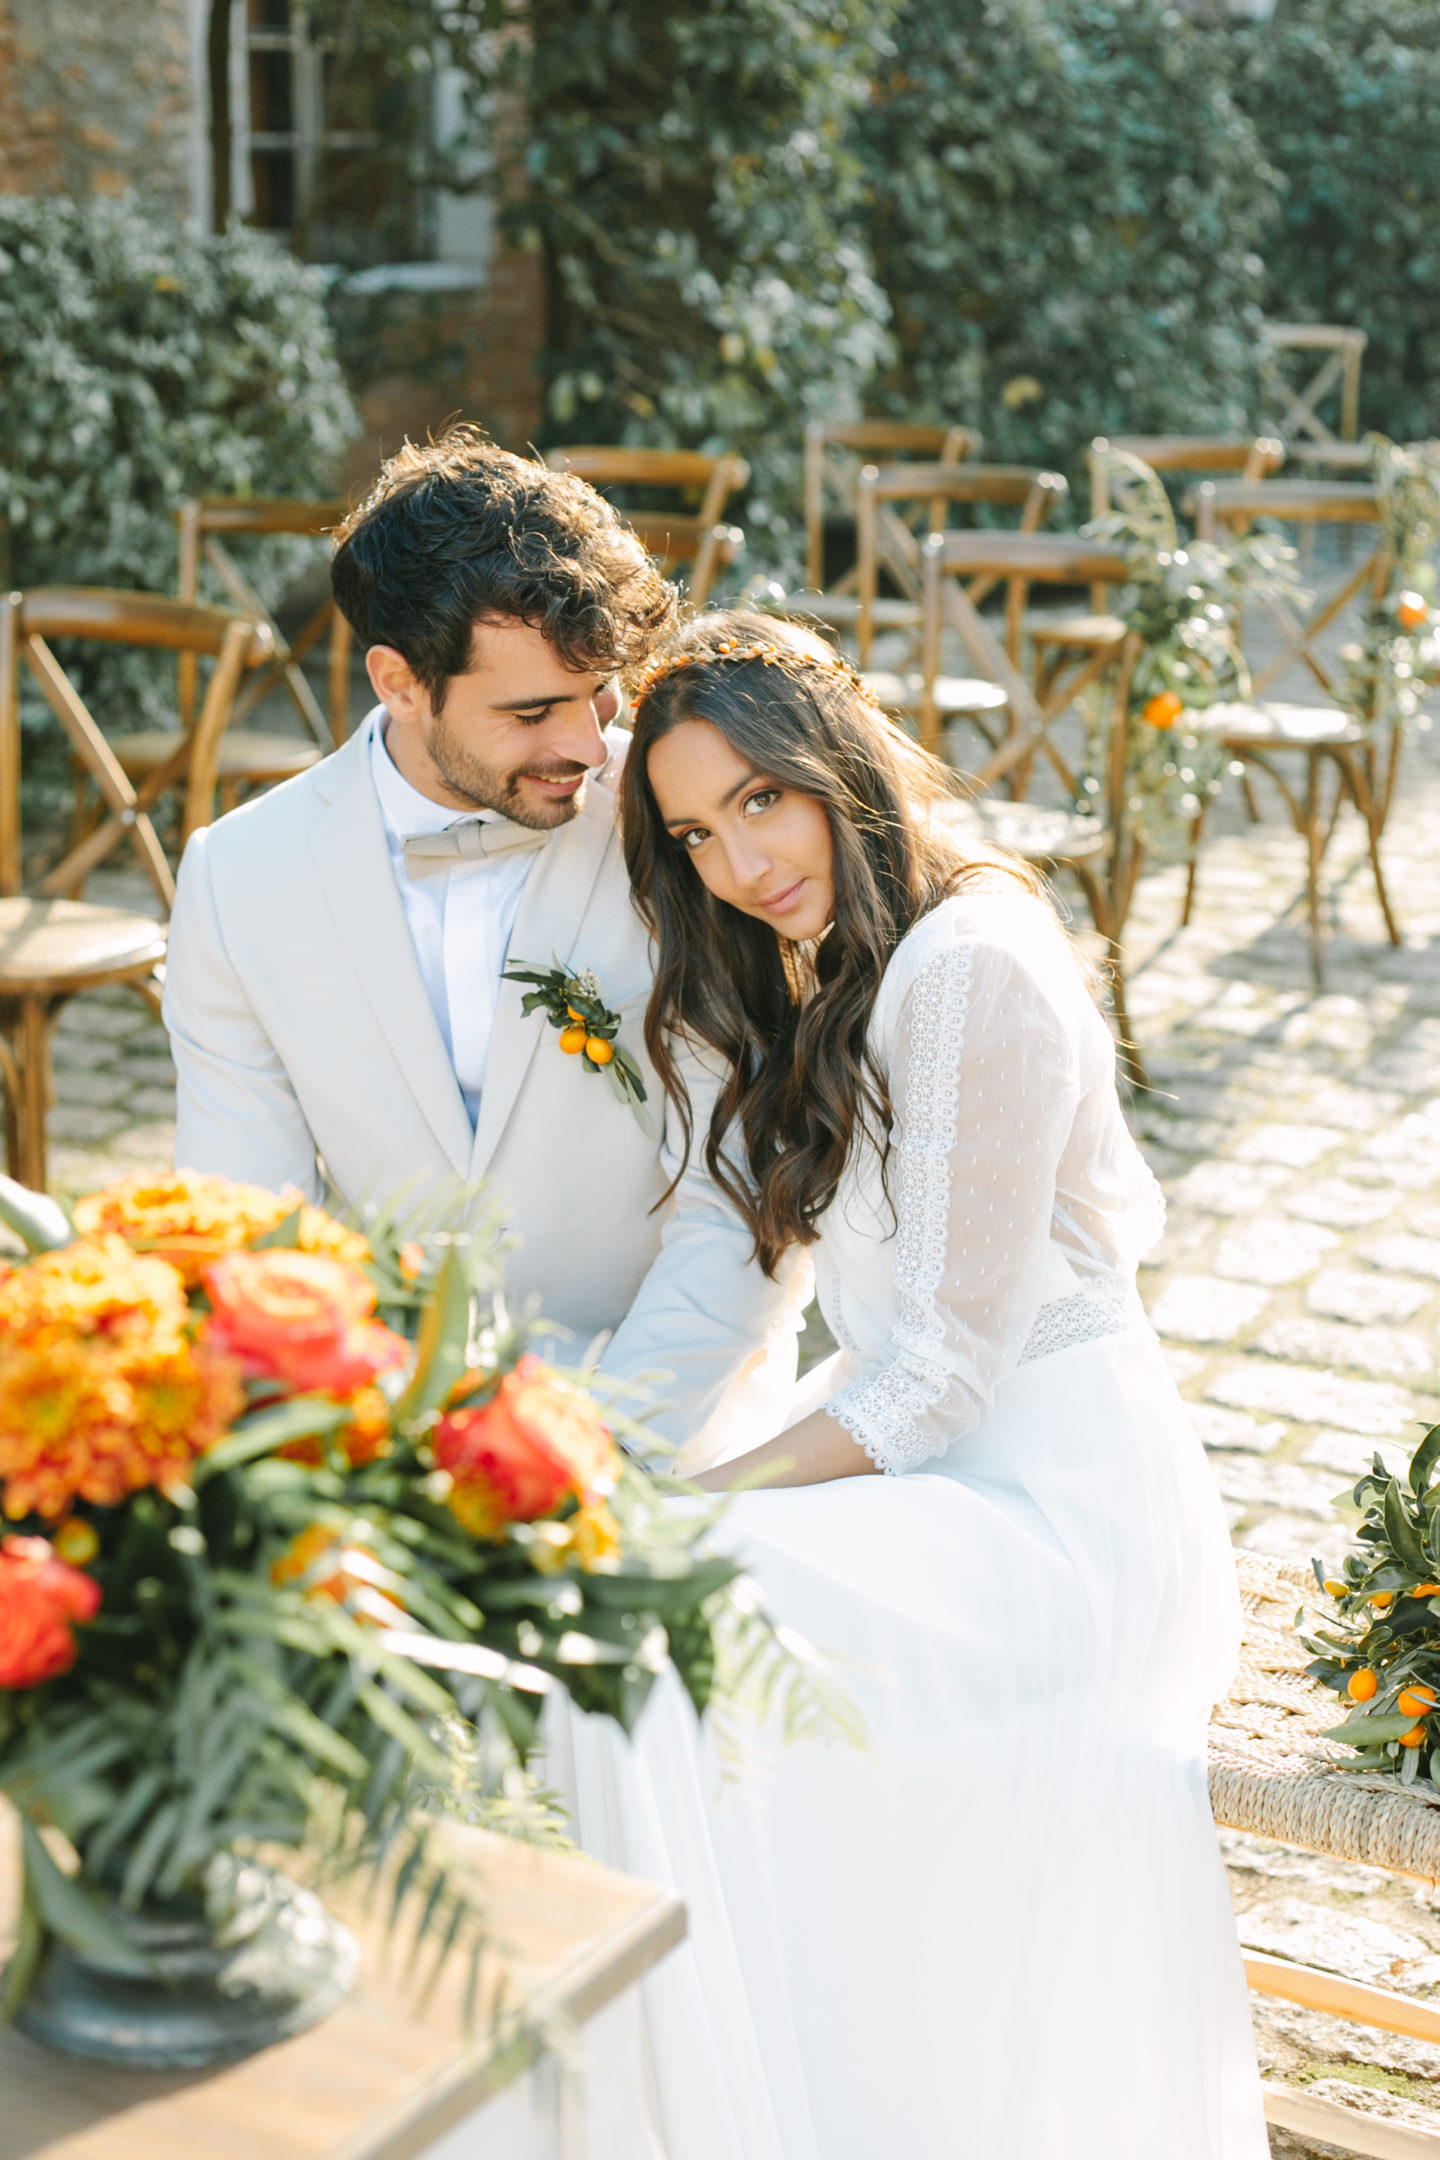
(1297, 1290)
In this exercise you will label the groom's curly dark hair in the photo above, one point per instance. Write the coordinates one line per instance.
(457, 532)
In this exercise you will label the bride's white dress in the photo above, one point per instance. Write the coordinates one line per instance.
(1005, 1929)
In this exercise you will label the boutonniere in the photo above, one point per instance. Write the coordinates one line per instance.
(587, 1027)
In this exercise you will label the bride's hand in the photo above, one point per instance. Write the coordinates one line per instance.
(814, 1452)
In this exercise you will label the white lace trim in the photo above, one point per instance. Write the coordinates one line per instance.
(1098, 1309)
(881, 1409)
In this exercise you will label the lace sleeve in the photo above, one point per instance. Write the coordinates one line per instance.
(984, 1092)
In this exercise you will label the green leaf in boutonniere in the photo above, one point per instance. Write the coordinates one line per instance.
(587, 1027)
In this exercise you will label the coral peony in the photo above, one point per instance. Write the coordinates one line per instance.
(302, 1318)
(40, 1599)
(516, 1456)
(191, 1217)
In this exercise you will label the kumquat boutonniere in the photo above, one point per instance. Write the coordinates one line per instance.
(588, 1028)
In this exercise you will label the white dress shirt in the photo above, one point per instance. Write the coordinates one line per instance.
(460, 920)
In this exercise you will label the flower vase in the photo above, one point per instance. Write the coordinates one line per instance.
(275, 1964)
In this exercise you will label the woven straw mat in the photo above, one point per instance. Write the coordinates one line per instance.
(1270, 1771)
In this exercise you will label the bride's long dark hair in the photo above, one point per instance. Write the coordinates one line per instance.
(789, 1023)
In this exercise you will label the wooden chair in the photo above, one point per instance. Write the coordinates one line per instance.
(835, 455)
(697, 537)
(957, 566)
(1056, 636)
(51, 947)
(932, 490)
(1259, 730)
(1104, 854)
(1301, 422)
(202, 525)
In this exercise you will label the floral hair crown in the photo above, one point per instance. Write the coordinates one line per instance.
(787, 657)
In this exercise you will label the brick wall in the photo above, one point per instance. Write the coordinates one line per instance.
(97, 96)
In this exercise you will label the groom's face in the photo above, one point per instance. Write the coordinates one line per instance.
(517, 732)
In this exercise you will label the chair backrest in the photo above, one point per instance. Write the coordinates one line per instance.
(1344, 346)
(1254, 457)
(952, 561)
(696, 536)
(883, 536)
(203, 525)
(824, 472)
(1235, 504)
(153, 621)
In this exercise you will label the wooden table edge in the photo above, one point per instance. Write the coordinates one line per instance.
(602, 1969)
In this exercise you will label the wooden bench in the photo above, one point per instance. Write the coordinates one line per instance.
(1274, 1776)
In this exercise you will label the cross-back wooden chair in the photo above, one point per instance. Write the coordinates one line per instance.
(204, 527)
(931, 491)
(1056, 636)
(1102, 854)
(698, 537)
(836, 452)
(1321, 735)
(957, 566)
(51, 946)
(1344, 346)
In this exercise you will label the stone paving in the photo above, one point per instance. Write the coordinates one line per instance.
(1297, 1289)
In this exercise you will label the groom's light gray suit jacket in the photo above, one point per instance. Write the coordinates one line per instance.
(306, 1048)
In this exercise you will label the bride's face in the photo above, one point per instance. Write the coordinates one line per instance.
(760, 847)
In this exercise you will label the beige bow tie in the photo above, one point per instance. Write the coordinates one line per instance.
(471, 840)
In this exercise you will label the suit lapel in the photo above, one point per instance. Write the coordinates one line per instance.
(552, 910)
(351, 855)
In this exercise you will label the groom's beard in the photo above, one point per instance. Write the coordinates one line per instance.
(489, 789)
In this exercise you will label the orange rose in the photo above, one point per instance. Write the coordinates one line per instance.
(299, 1317)
(40, 1598)
(517, 1456)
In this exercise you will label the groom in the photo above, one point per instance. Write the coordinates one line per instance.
(334, 990)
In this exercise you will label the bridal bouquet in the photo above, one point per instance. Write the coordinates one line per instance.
(300, 1535)
(1382, 1653)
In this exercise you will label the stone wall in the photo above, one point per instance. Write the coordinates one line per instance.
(97, 98)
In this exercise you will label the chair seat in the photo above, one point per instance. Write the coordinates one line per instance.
(844, 608)
(1040, 834)
(1076, 629)
(1278, 727)
(48, 945)
(245, 753)
(954, 694)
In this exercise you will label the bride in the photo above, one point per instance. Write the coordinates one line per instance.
(1004, 1928)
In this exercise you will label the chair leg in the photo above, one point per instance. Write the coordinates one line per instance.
(1314, 852)
(229, 795)
(1192, 875)
(32, 1058)
(1247, 789)
(1131, 1063)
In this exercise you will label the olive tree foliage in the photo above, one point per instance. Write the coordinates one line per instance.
(1069, 217)
(1344, 95)
(693, 177)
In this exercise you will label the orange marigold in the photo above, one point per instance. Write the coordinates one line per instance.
(190, 1217)
(101, 1390)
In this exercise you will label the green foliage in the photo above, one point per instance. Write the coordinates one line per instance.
(141, 362)
(1181, 603)
(1388, 1622)
(1343, 95)
(1398, 656)
(692, 175)
(1069, 209)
